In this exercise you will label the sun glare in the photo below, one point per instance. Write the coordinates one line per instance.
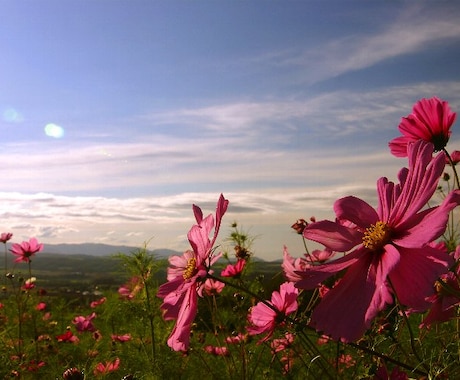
(53, 130)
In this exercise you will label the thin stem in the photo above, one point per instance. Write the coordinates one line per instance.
(387, 358)
(457, 182)
(409, 328)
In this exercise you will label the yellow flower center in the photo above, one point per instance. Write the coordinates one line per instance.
(190, 269)
(376, 236)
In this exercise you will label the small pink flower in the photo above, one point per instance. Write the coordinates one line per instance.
(237, 339)
(104, 369)
(68, 336)
(234, 270)
(217, 351)
(430, 121)
(129, 290)
(29, 284)
(455, 156)
(293, 265)
(41, 306)
(121, 338)
(96, 303)
(84, 323)
(5, 236)
(264, 319)
(212, 287)
(281, 344)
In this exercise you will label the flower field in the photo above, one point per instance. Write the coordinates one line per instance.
(379, 300)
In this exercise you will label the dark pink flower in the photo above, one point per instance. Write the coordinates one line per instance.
(390, 243)
(187, 273)
(26, 249)
(40, 306)
(445, 300)
(104, 369)
(455, 157)
(234, 270)
(84, 323)
(430, 120)
(264, 319)
(5, 236)
(96, 303)
(68, 336)
(121, 338)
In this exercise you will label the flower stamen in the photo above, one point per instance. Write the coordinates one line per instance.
(376, 236)
(190, 269)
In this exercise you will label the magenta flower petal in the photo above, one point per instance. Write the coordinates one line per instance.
(356, 211)
(333, 235)
(414, 276)
(314, 275)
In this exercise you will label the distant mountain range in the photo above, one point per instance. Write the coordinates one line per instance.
(95, 249)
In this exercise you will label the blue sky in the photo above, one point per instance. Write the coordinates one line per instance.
(283, 106)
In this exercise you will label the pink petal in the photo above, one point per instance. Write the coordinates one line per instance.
(347, 310)
(333, 235)
(316, 274)
(179, 339)
(416, 273)
(429, 224)
(356, 211)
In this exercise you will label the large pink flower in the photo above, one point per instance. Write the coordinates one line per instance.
(390, 248)
(187, 273)
(430, 120)
(264, 319)
(25, 250)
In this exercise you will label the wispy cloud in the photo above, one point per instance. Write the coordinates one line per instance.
(418, 27)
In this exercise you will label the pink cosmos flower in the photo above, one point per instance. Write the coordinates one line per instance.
(187, 273)
(40, 306)
(446, 299)
(282, 344)
(29, 284)
(217, 351)
(237, 339)
(291, 266)
(68, 336)
(84, 323)
(431, 120)
(234, 270)
(104, 369)
(5, 236)
(264, 319)
(455, 156)
(128, 291)
(96, 303)
(121, 338)
(212, 287)
(388, 244)
(26, 249)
